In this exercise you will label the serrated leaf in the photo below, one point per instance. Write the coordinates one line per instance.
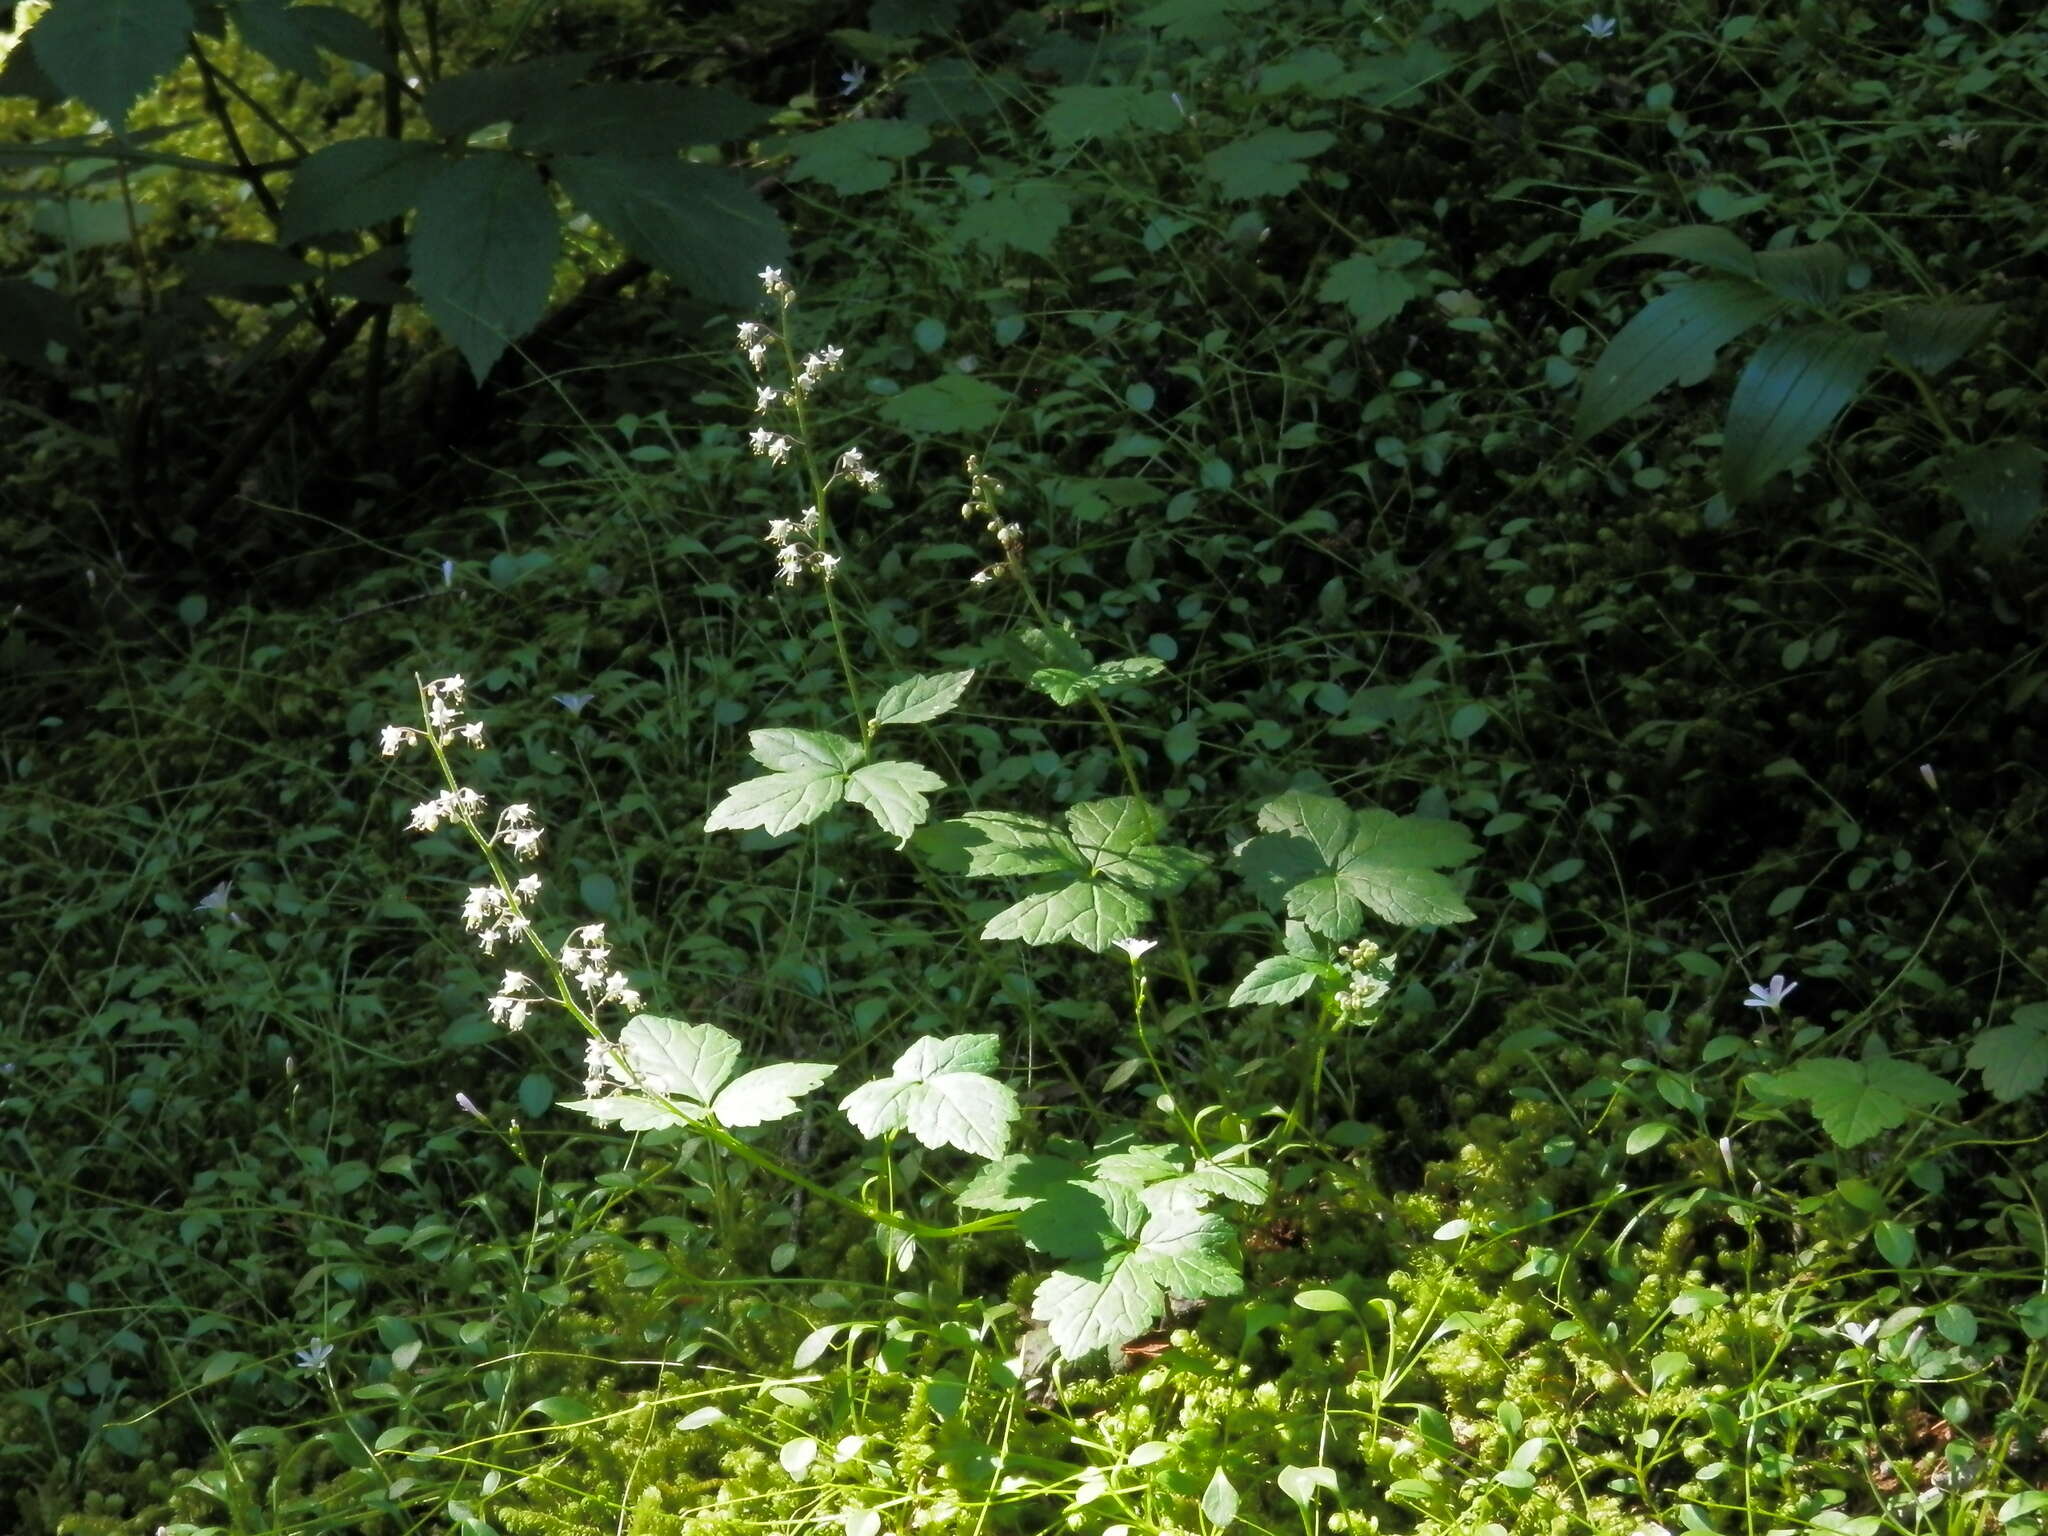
(1094, 916)
(793, 751)
(1280, 979)
(1705, 245)
(1016, 216)
(1270, 163)
(1054, 647)
(940, 1092)
(637, 119)
(1806, 274)
(894, 793)
(1330, 865)
(1397, 79)
(628, 1111)
(458, 105)
(1675, 336)
(1856, 1100)
(777, 802)
(242, 267)
(705, 226)
(768, 1094)
(1798, 382)
(853, 156)
(1011, 843)
(678, 1059)
(355, 184)
(918, 699)
(1078, 113)
(1999, 486)
(345, 35)
(944, 407)
(1018, 1181)
(107, 53)
(1930, 337)
(279, 34)
(1237, 1182)
(483, 254)
(1374, 294)
(1080, 1220)
(2014, 1057)
(1110, 1301)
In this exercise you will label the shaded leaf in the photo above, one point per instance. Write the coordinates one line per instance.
(1271, 163)
(634, 119)
(1016, 216)
(1798, 382)
(853, 156)
(1078, 113)
(946, 406)
(1705, 245)
(1805, 274)
(702, 225)
(1929, 337)
(2014, 1057)
(32, 318)
(355, 184)
(459, 105)
(1856, 1100)
(1673, 337)
(1999, 486)
(279, 33)
(483, 254)
(1280, 979)
(108, 53)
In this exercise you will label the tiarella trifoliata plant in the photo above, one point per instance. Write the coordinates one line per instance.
(1127, 1220)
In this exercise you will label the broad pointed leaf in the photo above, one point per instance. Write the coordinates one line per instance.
(777, 802)
(628, 1111)
(1081, 1220)
(1092, 914)
(703, 225)
(355, 184)
(939, 1092)
(1929, 337)
(276, 31)
(107, 53)
(2014, 1057)
(483, 254)
(792, 751)
(1706, 245)
(1270, 163)
(1999, 485)
(459, 105)
(638, 119)
(1806, 274)
(1675, 336)
(1798, 382)
(1856, 1100)
(1098, 1305)
(1280, 979)
(1010, 843)
(854, 155)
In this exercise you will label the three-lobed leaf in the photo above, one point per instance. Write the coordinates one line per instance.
(814, 771)
(702, 225)
(683, 1071)
(1856, 1100)
(355, 184)
(919, 699)
(2014, 1057)
(1329, 866)
(941, 1092)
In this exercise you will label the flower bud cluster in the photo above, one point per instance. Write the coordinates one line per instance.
(1370, 982)
(984, 491)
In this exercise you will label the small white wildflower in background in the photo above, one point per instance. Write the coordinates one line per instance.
(1959, 139)
(1136, 947)
(851, 80)
(774, 285)
(1772, 996)
(1858, 1333)
(447, 573)
(1727, 1155)
(855, 468)
(574, 702)
(516, 830)
(765, 395)
(509, 1008)
(215, 900)
(1600, 26)
(397, 738)
(467, 1105)
(314, 1356)
(1927, 777)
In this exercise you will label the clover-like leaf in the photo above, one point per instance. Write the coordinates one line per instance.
(940, 1091)
(918, 699)
(1330, 865)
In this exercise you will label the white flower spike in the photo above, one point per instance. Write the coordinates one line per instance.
(1772, 996)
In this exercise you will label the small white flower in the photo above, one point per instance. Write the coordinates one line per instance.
(771, 278)
(314, 1356)
(466, 1104)
(1136, 947)
(215, 900)
(1772, 996)
(1600, 26)
(781, 531)
(397, 738)
(751, 332)
(447, 573)
(1857, 1333)
(527, 888)
(574, 702)
(823, 563)
(851, 80)
(449, 688)
(473, 733)
(1959, 139)
(1927, 777)
(765, 396)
